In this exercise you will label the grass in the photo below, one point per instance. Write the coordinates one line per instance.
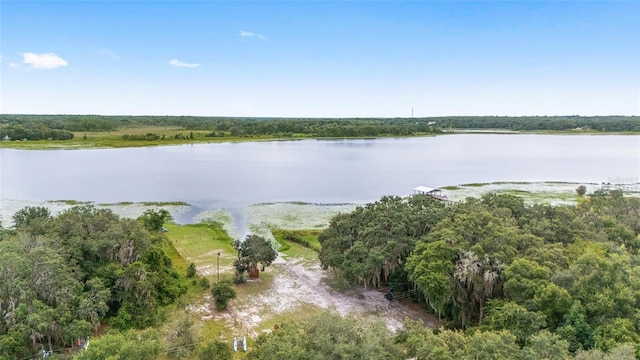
(301, 313)
(114, 139)
(257, 287)
(200, 244)
(178, 262)
(294, 242)
(299, 251)
(475, 184)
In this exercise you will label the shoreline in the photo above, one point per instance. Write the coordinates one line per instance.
(117, 143)
(258, 218)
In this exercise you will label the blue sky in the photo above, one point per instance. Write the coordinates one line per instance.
(320, 59)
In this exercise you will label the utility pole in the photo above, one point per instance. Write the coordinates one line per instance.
(412, 113)
(218, 267)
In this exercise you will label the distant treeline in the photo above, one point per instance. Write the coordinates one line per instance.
(557, 123)
(33, 131)
(59, 126)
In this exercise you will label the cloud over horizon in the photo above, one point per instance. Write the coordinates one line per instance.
(43, 61)
(178, 63)
(249, 34)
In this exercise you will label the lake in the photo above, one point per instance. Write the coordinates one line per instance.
(230, 175)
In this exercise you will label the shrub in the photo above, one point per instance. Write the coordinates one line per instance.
(191, 271)
(222, 292)
(215, 350)
(204, 282)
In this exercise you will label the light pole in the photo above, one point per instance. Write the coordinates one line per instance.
(218, 267)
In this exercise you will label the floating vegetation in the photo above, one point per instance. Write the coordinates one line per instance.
(124, 209)
(554, 193)
(222, 217)
(294, 216)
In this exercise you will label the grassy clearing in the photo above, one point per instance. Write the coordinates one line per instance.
(216, 329)
(256, 287)
(200, 244)
(306, 238)
(219, 216)
(299, 251)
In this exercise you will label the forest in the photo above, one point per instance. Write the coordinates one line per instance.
(63, 127)
(507, 280)
(568, 274)
(65, 277)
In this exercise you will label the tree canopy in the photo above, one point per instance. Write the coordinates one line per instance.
(562, 274)
(63, 276)
(253, 251)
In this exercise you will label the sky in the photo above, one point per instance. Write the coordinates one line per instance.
(320, 59)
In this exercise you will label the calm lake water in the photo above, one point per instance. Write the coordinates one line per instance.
(229, 175)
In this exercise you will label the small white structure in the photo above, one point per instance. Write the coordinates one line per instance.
(432, 192)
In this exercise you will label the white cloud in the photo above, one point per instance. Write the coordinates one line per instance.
(249, 34)
(178, 63)
(43, 61)
(109, 53)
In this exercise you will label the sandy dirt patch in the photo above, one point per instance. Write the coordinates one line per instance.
(298, 282)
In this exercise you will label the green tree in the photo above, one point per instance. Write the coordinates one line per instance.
(153, 220)
(575, 329)
(422, 343)
(191, 270)
(615, 332)
(214, 350)
(431, 267)
(476, 281)
(492, 345)
(126, 345)
(327, 336)
(222, 292)
(253, 251)
(544, 345)
(181, 338)
(523, 278)
(32, 218)
(554, 302)
(521, 322)
(581, 190)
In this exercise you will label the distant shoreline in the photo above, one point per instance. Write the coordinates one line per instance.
(115, 143)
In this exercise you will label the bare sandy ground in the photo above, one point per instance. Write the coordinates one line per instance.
(298, 282)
